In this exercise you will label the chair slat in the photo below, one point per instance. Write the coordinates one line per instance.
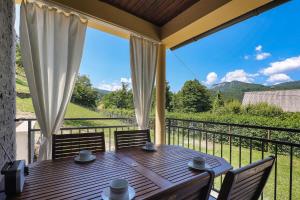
(195, 189)
(78, 143)
(131, 138)
(68, 145)
(246, 183)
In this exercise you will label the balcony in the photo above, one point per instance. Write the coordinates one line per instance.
(52, 37)
(239, 144)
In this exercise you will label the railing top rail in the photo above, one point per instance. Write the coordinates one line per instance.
(183, 120)
(242, 136)
(89, 118)
(240, 125)
(89, 127)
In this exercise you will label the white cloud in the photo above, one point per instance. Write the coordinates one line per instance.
(262, 55)
(126, 80)
(246, 57)
(211, 78)
(278, 78)
(238, 75)
(109, 86)
(258, 48)
(115, 85)
(288, 64)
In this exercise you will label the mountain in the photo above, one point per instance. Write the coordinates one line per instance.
(286, 86)
(103, 92)
(236, 89)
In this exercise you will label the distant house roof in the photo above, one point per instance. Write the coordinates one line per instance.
(288, 100)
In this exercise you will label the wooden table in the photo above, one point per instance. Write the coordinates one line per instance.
(148, 173)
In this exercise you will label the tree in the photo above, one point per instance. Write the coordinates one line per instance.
(84, 94)
(169, 96)
(194, 97)
(218, 101)
(122, 98)
(18, 55)
(176, 102)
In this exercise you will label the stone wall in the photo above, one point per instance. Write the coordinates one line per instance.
(7, 81)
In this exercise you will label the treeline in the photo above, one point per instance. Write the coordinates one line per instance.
(192, 101)
(193, 97)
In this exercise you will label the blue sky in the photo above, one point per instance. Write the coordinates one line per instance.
(264, 49)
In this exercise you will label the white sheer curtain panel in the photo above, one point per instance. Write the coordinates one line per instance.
(51, 46)
(143, 62)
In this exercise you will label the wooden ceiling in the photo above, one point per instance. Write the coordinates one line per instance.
(158, 12)
(173, 23)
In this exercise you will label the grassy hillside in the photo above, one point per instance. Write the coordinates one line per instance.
(24, 105)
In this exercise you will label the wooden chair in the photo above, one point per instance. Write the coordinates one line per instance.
(196, 189)
(132, 138)
(69, 145)
(246, 183)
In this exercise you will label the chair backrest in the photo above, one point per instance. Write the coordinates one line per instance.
(195, 189)
(246, 183)
(69, 145)
(131, 138)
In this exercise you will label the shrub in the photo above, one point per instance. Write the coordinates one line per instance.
(218, 102)
(233, 107)
(263, 109)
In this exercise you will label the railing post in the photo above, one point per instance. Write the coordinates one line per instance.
(169, 131)
(29, 143)
(230, 144)
(268, 137)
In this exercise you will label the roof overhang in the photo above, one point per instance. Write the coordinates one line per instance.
(199, 20)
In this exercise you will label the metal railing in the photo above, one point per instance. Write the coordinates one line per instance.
(239, 144)
(242, 145)
(78, 125)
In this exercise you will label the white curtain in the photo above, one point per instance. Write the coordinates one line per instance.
(51, 46)
(143, 61)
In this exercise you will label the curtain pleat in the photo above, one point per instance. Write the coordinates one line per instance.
(143, 62)
(51, 47)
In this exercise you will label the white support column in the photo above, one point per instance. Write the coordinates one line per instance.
(160, 96)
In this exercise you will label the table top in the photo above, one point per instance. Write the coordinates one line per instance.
(147, 172)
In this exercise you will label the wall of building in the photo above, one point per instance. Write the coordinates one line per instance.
(7, 81)
(287, 100)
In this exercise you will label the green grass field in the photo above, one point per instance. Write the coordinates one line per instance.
(283, 164)
(73, 110)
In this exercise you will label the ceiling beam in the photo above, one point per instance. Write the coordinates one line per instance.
(223, 14)
(233, 21)
(110, 19)
(190, 15)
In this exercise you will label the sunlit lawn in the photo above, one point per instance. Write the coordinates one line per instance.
(283, 165)
(73, 111)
